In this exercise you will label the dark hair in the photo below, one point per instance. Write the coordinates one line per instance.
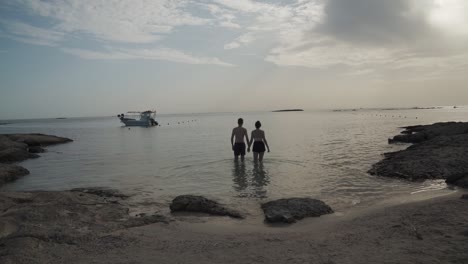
(258, 124)
(240, 121)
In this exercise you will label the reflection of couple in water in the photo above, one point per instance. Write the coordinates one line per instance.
(242, 181)
(257, 138)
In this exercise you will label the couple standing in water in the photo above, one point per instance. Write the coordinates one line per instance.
(257, 137)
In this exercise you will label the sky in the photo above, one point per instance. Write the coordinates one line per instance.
(69, 58)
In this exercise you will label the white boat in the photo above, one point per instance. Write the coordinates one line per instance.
(143, 119)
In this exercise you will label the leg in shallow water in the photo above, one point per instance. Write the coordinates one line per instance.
(260, 158)
(255, 156)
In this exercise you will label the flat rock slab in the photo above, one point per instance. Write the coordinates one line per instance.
(442, 157)
(200, 204)
(9, 173)
(38, 139)
(38, 220)
(439, 152)
(19, 147)
(421, 133)
(293, 209)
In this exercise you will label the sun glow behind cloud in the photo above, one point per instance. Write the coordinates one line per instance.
(450, 16)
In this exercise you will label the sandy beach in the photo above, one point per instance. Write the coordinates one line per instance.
(77, 227)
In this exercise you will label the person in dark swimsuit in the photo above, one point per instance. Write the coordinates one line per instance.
(238, 145)
(259, 142)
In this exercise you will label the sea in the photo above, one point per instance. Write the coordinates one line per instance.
(322, 154)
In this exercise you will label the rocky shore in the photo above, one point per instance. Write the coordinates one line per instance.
(19, 147)
(439, 151)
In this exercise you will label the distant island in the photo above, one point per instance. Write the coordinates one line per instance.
(289, 110)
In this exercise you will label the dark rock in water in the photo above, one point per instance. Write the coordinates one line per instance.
(464, 196)
(33, 156)
(439, 152)
(10, 155)
(38, 139)
(443, 157)
(290, 210)
(9, 173)
(420, 133)
(409, 138)
(36, 149)
(463, 182)
(194, 203)
(17, 147)
(460, 180)
(6, 143)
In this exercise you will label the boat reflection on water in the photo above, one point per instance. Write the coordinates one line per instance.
(250, 183)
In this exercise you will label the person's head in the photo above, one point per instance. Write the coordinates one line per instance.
(240, 121)
(258, 124)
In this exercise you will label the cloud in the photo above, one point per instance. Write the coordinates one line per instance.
(368, 36)
(224, 18)
(117, 21)
(375, 22)
(355, 34)
(26, 33)
(132, 27)
(164, 54)
(242, 40)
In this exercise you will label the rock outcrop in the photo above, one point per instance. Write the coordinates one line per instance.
(439, 152)
(293, 209)
(73, 219)
(38, 139)
(19, 147)
(421, 133)
(9, 173)
(200, 204)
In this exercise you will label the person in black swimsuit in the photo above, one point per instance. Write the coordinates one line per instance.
(237, 140)
(259, 142)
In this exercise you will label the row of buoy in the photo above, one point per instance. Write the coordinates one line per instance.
(183, 122)
(393, 116)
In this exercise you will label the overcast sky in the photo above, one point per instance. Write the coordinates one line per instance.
(103, 57)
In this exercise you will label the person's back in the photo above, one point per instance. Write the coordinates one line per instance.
(237, 139)
(258, 135)
(239, 134)
(259, 141)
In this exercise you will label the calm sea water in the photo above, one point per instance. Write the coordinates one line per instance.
(321, 154)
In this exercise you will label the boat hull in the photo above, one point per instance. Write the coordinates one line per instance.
(141, 123)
